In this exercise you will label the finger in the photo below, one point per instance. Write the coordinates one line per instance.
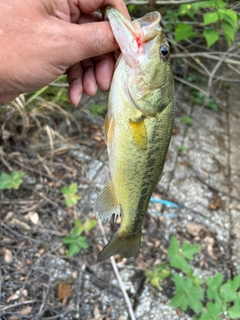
(87, 6)
(74, 78)
(87, 41)
(104, 71)
(89, 80)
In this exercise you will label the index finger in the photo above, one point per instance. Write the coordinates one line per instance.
(88, 6)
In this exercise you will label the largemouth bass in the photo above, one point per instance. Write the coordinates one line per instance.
(138, 127)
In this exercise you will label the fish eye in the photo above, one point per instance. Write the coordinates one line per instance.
(165, 52)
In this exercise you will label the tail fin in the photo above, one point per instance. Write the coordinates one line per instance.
(120, 244)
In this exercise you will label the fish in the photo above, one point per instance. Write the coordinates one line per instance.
(138, 127)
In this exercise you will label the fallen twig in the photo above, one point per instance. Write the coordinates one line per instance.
(115, 269)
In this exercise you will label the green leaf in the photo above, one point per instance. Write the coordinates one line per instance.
(72, 200)
(189, 250)
(71, 197)
(74, 249)
(236, 282)
(213, 4)
(195, 295)
(69, 240)
(210, 17)
(11, 181)
(229, 16)
(211, 36)
(187, 9)
(234, 312)
(186, 120)
(212, 105)
(96, 109)
(179, 300)
(227, 293)
(187, 294)
(213, 286)
(213, 311)
(81, 242)
(184, 31)
(89, 224)
(228, 32)
(157, 275)
(174, 248)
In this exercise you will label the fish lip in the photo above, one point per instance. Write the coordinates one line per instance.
(133, 35)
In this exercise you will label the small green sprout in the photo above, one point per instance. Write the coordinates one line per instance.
(70, 194)
(74, 240)
(11, 181)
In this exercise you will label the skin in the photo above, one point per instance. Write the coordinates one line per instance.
(42, 39)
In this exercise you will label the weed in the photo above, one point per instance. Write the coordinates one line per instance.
(97, 109)
(11, 181)
(182, 148)
(186, 120)
(75, 241)
(209, 298)
(70, 194)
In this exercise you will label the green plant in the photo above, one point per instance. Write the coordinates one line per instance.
(214, 14)
(11, 181)
(208, 298)
(199, 98)
(75, 241)
(186, 120)
(182, 148)
(97, 109)
(70, 194)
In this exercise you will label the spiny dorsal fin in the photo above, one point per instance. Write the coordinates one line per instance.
(106, 204)
(139, 133)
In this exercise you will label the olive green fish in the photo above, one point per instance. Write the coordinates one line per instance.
(138, 127)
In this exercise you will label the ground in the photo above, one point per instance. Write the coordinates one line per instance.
(201, 174)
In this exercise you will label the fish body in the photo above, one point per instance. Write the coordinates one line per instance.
(138, 127)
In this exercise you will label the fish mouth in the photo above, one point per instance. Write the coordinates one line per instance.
(132, 36)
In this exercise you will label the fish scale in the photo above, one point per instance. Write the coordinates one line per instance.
(138, 127)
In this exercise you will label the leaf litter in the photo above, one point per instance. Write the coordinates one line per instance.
(38, 279)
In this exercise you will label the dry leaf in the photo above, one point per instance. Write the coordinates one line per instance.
(18, 223)
(14, 296)
(64, 291)
(196, 230)
(210, 242)
(9, 216)
(34, 217)
(26, 311)
(7, 255)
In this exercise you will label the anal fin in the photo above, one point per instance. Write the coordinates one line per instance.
(106, 204)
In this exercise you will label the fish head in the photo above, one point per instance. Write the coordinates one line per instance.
(146, 65)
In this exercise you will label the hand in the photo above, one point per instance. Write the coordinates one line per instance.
(43, 39)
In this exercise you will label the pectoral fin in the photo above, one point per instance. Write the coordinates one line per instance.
(109, 128)
(139, 133)
(106, 204)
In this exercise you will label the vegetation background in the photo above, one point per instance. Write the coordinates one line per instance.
(47, 146)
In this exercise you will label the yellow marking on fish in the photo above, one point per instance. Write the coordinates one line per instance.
(139, 133)
(109, 129)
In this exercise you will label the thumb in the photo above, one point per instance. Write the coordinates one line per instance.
(89, 40)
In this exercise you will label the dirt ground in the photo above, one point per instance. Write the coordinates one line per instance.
(202, 175)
